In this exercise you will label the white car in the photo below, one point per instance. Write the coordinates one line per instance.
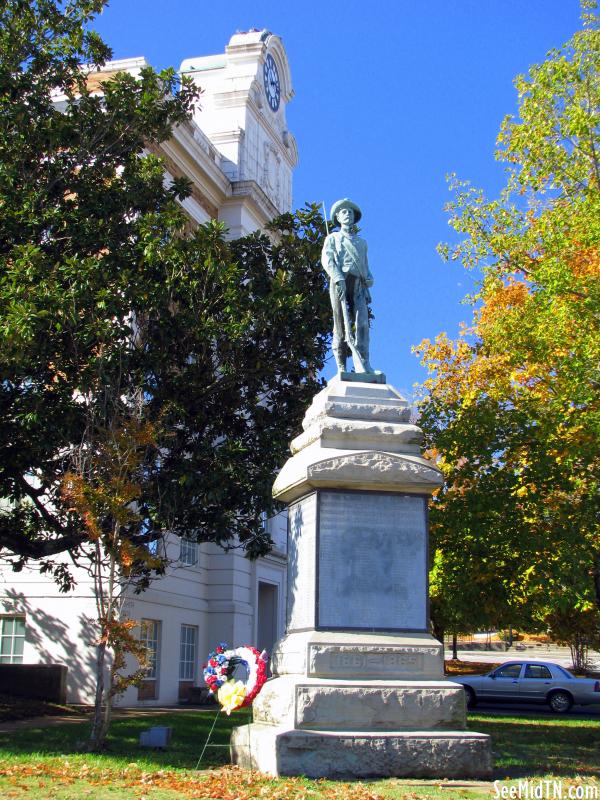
(530, 682)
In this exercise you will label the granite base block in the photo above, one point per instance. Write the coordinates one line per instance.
(359, 655)
(279, 751)
(338, 705)
(362, 377)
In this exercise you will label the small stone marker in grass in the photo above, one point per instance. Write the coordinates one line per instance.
(159, 737)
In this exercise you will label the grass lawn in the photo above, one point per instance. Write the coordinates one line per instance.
(48, 763)
(548, 746)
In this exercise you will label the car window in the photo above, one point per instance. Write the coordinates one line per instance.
(564, 672)
(537, 671)
(509, 671)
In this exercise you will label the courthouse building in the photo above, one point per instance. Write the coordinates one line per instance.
(239, 156)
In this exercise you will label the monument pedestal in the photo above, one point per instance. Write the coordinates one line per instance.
(359, 688)
(361, 754)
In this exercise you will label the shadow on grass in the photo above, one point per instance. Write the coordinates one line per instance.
(190, 731)
(536, 746)
(17, 708)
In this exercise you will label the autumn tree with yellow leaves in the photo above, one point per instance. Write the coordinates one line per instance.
(511, 409)
(104, 489)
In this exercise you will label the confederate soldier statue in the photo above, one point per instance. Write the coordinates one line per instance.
(344, 259)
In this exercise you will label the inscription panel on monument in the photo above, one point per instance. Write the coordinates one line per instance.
(302, 521)
(372, 561)
(373, 660)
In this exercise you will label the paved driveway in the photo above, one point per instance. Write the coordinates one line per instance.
(559, 655)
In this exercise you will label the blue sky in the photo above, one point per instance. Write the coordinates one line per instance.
(391, 96)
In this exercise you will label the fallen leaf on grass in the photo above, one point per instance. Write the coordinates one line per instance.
(226, 783)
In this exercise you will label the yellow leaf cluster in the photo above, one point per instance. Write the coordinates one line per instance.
(585, 263)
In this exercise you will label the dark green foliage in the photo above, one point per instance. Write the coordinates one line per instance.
(114, 320)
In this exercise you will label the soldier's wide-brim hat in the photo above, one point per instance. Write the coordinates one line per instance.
(345, 203)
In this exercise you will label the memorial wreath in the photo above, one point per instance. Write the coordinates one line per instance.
(221, 678)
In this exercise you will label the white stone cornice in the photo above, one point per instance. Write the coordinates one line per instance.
(251, 191)
(224, 137)
(199, 159)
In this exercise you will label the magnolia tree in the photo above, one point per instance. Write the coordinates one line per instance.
(511, 407)
(151, 376)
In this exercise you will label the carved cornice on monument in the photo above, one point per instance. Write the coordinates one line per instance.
(357, 436)
(373, 468)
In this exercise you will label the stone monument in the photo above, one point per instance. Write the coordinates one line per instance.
(358, 687)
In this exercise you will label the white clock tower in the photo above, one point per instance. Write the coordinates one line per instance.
(242, 112)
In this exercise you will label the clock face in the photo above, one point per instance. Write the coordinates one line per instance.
(272, 85)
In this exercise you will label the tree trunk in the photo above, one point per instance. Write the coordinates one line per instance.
(454, 646)
(596, 576)
(105, 719)
(439, 633)
(579, 653)
(436, 628)
(105, 585)
(99, 730)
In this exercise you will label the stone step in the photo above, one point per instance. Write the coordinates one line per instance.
(357, 434)
(382, 411)
(371, 706)
(359, 754)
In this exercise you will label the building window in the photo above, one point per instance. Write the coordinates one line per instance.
(12, 640)
(188, 553)
(538, 671)
(266, 627)
(187, 653)
(150, 637)
(156, 547)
